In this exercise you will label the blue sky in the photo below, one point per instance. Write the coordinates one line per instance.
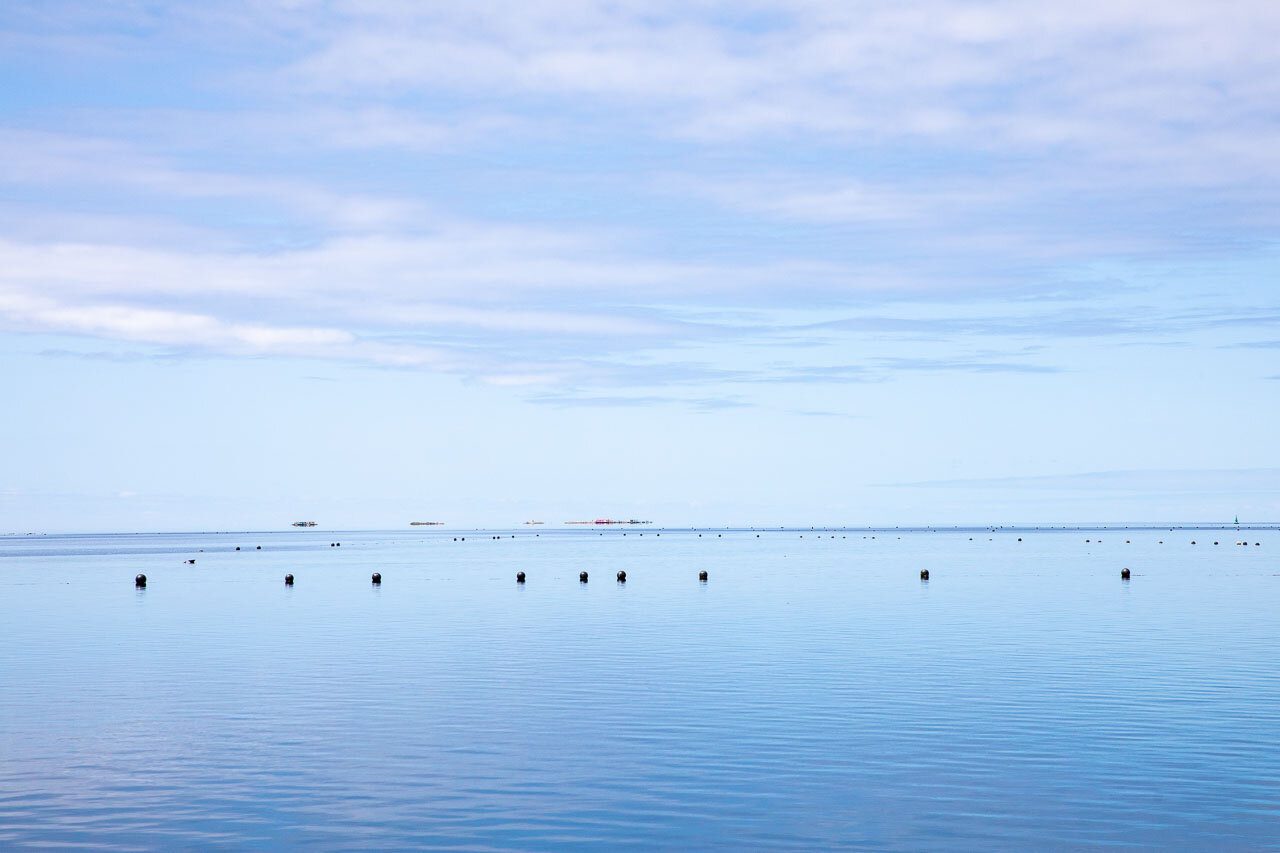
(705, 263)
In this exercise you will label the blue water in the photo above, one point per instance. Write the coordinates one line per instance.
(813, 694)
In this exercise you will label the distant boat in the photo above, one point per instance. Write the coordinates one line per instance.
(304, 524)
(533, 522)
(426, 523)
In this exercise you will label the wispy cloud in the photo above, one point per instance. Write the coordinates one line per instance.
(1253, 345)
(1216, 480)
(512, 307)
(817, 413)
(98, 355)
(966, 365)
(700, 404)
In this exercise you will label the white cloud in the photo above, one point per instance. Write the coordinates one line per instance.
(156, 326)
(479, 296)
(43, 158)
(980, 74)
(828, 153)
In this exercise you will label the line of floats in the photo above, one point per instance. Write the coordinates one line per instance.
(140, 581)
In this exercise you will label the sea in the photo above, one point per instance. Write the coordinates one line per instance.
(813, 693)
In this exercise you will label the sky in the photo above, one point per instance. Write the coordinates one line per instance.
(698, 262)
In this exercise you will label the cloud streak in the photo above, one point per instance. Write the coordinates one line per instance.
(1191, 480)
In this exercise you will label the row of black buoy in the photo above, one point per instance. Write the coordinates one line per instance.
(582, 577)
(141, 580)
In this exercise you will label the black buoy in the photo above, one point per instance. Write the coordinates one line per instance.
(288, 580)
(582, 577)
(519, 577)
(237, 547)
(377, 579)
(192, 561)
(140, 581)
(702, 576)
(259, 547)
(622, 577)
(1124, 574)
(339, 544)
(924, 574)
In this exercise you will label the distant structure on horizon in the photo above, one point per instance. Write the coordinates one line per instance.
(425, 523)
(304, 524)
(609, 521)
(533, 522)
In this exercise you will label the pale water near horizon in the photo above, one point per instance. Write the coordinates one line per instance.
(813, 694)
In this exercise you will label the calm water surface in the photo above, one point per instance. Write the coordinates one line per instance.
(814, 694)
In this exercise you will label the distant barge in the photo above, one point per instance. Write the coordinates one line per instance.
(304, 524)
(426, 523)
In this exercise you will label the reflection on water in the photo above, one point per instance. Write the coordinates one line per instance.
(813, 693)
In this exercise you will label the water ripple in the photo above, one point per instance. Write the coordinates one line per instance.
(813, 694)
